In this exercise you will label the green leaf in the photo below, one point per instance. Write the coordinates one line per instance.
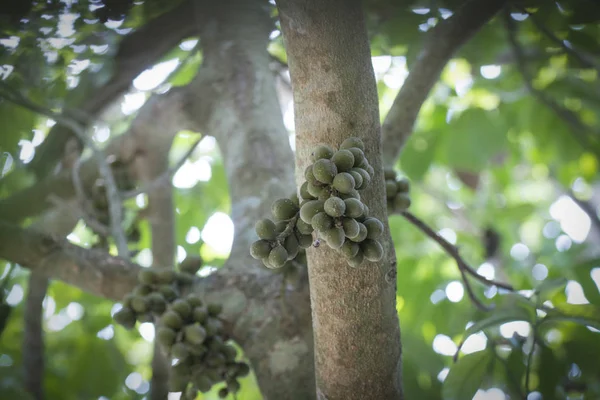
(418, 153)
(473, 139)
(583, 314)
(549, 287)
(500, 316)
(466, 376)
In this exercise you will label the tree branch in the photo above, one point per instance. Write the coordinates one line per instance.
(443, 41)
(137, 51)
(464, 268)
(581, 131)
(112, 193)
(94, 271)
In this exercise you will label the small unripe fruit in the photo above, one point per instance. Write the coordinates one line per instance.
(308, 174)
(260, 249)
(284, 209)
(200, 314)
(322, 152)
(322, 222)
(179, 350)
(316, 190)
(165, 336)
(265, 229)
(203, 383)
(374, 228)
(126, 317)
(349, 249)
(194, 300)
(372, 249)
(403, 185)
(354, 208)
(278, 256)
(147, 276)
(223, 393)
(370, 170)
(229, 352)
(358, 179)
(168, 292)
(362, 234)
(389, 174)
(365, 176)
(182, 308)
(310, 209)
(194, 334)
(291, 246)
(305, 241)
(304, 193)
(214, 309)
(344, 182)
(191, 264)
(343, 160)
(335, 207)
(165, 275)
(139, 304)
(353, 142)
(303, 227)
(280, 226)
(242, 370)
(172, 320)
(324, 170)
(359, 156)
(350, 226)
(335, 237)
(233, 386)
(353, 194)
(402, 202)
(390, 189)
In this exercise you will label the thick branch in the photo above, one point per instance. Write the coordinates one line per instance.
(443, 41)
(91, 270)
(137, 51)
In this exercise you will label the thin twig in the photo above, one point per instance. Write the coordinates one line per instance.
(112, 193)
(585, 61)
(165, 176)
(465, 269)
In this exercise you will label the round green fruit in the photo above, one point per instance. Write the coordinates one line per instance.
(260, 249)
(334, 237)
(324, 170)
(344, 182)
(322, 152)
(372, 249)
(310, 209)
(354, 208)
(353, 142)
(265, 229)
(335, 207)
(374, 228)
(284, 209)
(278, 256)
(343, 160)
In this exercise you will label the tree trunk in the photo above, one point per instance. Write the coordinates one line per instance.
(356, 329)
(234, 99)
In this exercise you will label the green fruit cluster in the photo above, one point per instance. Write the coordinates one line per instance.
(156, 289)
(331, 203)
(192, 334)
(282, 238)
(397, 191)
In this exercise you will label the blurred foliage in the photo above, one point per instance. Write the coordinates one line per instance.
(486, 155)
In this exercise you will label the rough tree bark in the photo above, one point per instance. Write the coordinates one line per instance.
(356, 329)
(155, 140)
(244, 116)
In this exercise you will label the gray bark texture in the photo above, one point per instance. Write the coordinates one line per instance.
(356, 329)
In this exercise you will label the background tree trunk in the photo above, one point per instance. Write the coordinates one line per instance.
(357, 338)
